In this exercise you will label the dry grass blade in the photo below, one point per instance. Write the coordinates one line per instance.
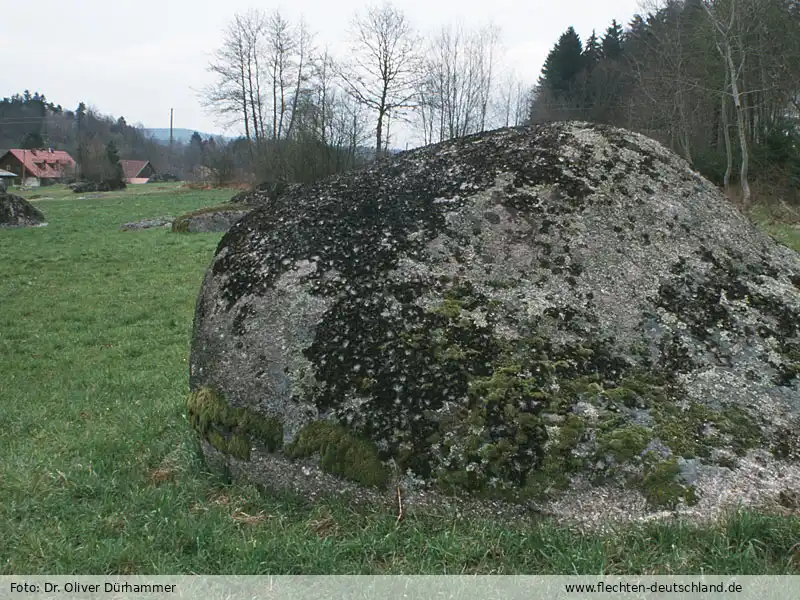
(324, 525)
(399, 506)
(160, 475)
(220, 500)
(794, 555)
(242, 517)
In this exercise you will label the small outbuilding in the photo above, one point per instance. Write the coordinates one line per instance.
(137, 171)
(6, 179)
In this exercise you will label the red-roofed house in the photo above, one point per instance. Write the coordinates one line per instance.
(39, 167)
(137, 171)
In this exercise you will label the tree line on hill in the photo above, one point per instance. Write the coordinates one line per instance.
(718, 81)
(94, 140)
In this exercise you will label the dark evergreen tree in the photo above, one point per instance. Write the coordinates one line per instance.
(194, 152)
(80, 116)
(612, 41)
(637, 31)
(115, 172)
(81, 150)
(120, 126)
(592, 78)
(563, 64)
(592, 52)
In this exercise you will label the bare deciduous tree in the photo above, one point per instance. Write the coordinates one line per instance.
(455, 95)
(384, 70)
(513, 99)
(732, 52)
(227, 97)
(304, 47)
(281, 45)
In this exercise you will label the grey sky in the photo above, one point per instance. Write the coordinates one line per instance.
(139, 58)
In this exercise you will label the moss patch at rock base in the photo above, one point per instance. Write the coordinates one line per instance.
(695, 431)
(231, 430)
(661, 487)
(341, 453)
(479, 460)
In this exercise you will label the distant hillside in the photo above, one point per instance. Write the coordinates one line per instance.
(179, 135)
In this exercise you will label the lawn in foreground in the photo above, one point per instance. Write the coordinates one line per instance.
(99, 472)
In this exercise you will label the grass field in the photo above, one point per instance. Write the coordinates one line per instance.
(99, 472)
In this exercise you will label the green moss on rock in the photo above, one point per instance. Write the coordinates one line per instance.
(500, 439)
(340, 452)
(560, 461)
(639, 390)
(231, 430)
(625, 444)
(661, 487)
(236, 445)
(696, 430)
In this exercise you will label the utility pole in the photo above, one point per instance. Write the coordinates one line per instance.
(171, 111)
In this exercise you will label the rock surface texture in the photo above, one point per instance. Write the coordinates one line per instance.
(208, 220)
(15, 211)
(147, 224)
(563, 319)
(265, 193)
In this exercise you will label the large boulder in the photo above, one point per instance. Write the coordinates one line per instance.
(15, 211)
(565, 317)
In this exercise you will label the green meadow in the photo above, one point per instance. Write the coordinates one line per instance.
(100, 472)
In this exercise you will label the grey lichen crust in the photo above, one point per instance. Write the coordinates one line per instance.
(553, 315)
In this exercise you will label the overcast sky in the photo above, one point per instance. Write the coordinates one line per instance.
(140, 58)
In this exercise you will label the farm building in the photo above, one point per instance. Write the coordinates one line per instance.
(41, 166)
(137, 171)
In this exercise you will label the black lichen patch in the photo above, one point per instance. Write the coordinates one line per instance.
(649, 164)
(415, 360)
(231, 430)
(674, 355)
(244, 313)
(786, 444)
(340, 453)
